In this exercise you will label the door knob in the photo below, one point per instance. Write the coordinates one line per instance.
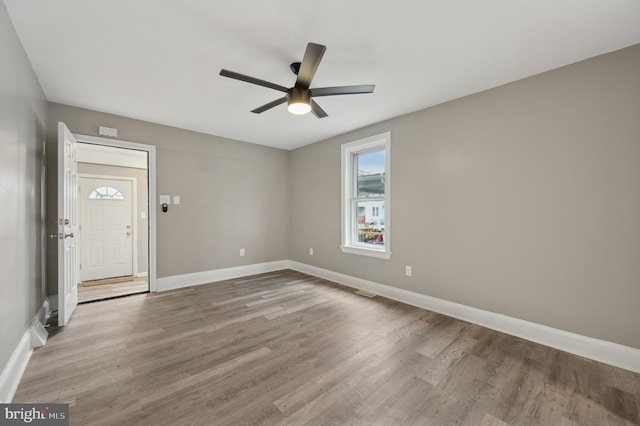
(54, 236)
(68, 235)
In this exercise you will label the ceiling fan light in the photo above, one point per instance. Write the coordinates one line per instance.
(298, 101)
(299, 108)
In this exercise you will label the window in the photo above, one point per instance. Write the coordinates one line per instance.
(365, 196)
(106, 193)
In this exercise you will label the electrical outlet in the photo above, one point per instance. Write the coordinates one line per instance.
(241, 252)
(408, 271)
(311, 251)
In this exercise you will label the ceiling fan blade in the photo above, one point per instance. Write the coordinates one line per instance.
(342, 90)
(253, 80)
(270, 105)
(310, 62)
(317, 111)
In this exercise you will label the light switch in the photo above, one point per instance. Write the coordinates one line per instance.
(176, 199)
(165, 199)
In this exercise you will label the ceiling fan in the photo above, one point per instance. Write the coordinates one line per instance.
(299, 97)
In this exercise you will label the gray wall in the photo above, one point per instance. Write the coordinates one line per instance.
(142, 199)
(22, 131)
(233, 194)
(522, 200)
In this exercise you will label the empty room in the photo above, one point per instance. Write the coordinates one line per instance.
(289, 213)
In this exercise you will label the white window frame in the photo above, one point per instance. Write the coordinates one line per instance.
(349, 241)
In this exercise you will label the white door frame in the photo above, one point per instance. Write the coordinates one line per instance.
(134, 215)
(151, 172)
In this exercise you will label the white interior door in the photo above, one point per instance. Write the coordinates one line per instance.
(67, 224)
(106, 207)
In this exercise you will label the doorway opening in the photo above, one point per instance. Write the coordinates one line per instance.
(113, 219)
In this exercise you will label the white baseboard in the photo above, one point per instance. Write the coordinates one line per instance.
(205, 277)
(588, 347)
(142, 274)
(13, 371)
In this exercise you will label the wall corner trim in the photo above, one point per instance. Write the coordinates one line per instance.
(610, 353)
(206, 277)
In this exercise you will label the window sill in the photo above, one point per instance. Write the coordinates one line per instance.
(366, 252)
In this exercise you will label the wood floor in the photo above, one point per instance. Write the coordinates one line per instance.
(109, 288)
(287, 348)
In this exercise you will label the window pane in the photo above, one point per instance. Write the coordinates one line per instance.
(370, 174)
(369, 222)
(106, 193)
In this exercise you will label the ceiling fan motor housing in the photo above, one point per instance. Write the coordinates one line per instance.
(296, 95)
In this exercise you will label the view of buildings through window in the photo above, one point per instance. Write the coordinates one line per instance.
(369, 199)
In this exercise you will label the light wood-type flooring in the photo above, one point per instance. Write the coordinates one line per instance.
(287, 348)
(109, 288)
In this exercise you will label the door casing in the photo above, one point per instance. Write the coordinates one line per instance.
(151, 171)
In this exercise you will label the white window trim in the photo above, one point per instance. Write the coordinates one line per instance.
(382, 140)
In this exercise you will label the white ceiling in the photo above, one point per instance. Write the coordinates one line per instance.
(158, 60)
